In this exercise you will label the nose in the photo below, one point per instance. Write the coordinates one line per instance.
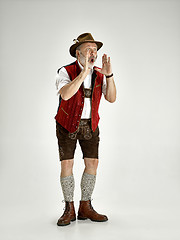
(91, 51)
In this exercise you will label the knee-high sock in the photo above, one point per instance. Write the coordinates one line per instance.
(87, 186)
(67, 184)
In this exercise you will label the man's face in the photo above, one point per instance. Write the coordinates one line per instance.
(81, 54)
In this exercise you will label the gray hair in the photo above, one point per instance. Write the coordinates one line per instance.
(79, 49)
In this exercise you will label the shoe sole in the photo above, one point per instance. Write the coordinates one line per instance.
(62, 225)
(84, 218)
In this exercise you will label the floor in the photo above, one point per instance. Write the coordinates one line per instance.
(23, 223)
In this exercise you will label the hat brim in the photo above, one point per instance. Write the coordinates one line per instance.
(72, 49)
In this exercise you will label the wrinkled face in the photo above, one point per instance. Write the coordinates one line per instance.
(82, 52)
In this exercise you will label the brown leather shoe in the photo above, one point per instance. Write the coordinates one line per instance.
(68, 215)
(86, 211)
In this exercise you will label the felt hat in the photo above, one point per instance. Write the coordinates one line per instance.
(83, 38)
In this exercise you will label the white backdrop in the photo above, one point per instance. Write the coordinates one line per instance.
(138, 183)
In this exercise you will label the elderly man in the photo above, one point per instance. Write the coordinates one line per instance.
(80, 86)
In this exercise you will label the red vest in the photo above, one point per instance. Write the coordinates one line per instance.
(70, 111)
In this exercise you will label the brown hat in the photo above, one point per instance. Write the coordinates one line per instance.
(83, 38)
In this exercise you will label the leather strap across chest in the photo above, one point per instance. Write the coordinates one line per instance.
(87, 92)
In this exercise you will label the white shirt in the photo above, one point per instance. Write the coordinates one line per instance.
(62, 78)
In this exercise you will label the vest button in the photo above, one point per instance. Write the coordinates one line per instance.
(76, 126)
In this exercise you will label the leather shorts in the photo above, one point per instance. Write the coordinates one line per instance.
(88, 140)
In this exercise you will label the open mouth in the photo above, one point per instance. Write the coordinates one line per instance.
(92, 60)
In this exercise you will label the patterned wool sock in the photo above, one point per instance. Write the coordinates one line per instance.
(87, 186)
(67, 184)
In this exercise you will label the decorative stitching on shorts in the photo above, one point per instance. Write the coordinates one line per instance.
(61, 152)
(83, 129)
(72, 135)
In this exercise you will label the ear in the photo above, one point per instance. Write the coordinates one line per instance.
(77, 53)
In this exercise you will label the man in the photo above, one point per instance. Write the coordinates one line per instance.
(80, 86)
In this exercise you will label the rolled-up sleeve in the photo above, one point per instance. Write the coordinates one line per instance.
(104, 86)
(62, 78)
